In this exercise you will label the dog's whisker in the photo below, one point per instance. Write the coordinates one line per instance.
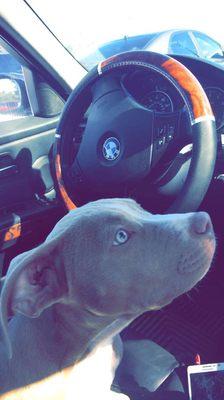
(189, 297)
(195, 289)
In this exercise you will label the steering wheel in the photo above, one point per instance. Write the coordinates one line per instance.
(120, 141)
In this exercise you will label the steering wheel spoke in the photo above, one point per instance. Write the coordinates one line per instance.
(75, 173)
(165, 134)
(116, 145)
(105, 86)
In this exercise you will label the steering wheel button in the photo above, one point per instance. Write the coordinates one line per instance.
(161, 131)
(169, 137)
(160, 142)
(171, 129)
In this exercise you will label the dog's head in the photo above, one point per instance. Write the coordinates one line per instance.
(112, 258)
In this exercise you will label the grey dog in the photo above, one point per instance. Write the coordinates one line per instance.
(102, 265)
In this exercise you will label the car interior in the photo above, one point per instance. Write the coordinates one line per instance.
(37, 188)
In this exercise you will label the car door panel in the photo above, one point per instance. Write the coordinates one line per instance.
(27, 193)
(28, 204)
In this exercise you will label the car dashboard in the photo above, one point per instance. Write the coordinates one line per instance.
(155, 92)
(152, 91)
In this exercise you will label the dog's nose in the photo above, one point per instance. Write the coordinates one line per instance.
(201, 224)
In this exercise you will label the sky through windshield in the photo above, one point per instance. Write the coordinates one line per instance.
(83, 25)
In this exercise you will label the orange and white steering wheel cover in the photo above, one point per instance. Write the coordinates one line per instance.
(184, 81)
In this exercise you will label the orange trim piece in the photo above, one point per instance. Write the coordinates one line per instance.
(68, 202)
(108, 61)
(200, 103)
(12, 233)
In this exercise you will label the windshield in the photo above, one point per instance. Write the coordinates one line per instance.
(94, 30)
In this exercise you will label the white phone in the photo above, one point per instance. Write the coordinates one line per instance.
(206, 381)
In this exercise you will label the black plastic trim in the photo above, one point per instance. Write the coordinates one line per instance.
(31, 90)
(28, 56)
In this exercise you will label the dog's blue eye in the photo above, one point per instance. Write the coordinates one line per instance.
(121, 237)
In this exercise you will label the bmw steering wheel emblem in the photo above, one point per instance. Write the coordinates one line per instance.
(111, 149)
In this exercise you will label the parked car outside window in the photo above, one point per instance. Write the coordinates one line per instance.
(14, 102)
(207, 47)
(181, 43)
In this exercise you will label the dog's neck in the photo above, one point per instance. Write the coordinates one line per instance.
(62, 336)
(82, 330)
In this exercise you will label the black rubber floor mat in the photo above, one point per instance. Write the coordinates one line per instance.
(192, 324)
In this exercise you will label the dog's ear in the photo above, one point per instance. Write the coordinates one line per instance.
(34, 284)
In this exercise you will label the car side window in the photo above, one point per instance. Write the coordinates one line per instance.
(181, 43)
(14, 102)
(208, 47)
